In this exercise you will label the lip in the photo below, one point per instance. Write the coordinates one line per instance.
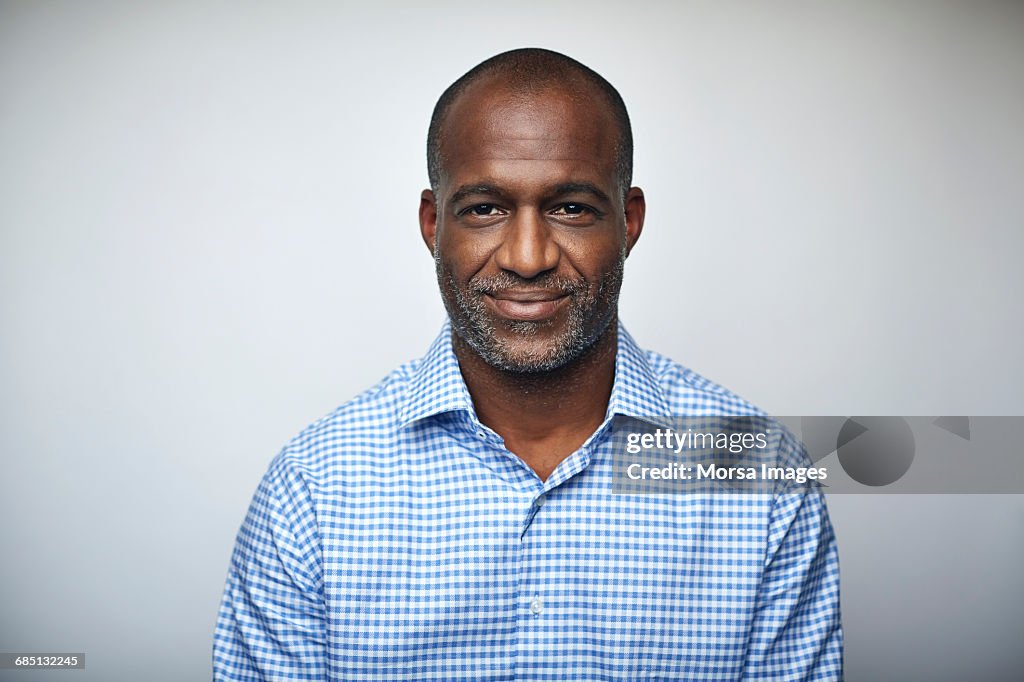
(530, 306)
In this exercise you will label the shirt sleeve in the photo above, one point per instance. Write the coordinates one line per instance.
(271, 621)
(797, 632)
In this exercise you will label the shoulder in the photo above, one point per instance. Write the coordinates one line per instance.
(364, 425)
(688, 392)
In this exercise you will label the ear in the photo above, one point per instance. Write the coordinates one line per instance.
(636, 207)
(428, 219)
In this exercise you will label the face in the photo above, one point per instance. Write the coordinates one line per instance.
(529, 228)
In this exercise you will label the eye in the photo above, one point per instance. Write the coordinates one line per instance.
(482, 210)
(572, 210)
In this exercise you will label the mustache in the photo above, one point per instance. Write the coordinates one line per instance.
(509, 280)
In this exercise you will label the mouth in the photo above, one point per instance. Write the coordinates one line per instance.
(529, 306)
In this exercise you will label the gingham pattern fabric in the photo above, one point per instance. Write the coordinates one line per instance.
(397, 539)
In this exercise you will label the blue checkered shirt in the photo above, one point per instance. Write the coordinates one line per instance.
(397, 539)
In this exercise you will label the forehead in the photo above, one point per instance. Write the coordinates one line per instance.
(539, 132)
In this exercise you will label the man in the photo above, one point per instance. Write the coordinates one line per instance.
(457, 521)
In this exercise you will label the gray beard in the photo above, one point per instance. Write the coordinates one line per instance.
(591, 310)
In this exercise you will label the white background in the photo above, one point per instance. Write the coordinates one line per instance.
(208, 239)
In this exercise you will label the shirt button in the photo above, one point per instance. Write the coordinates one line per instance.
(536, 606)
(481, 435)
(540, 500)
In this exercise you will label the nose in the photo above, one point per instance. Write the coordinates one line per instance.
(528, 248)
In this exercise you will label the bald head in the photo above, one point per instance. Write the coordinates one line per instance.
(530, 72)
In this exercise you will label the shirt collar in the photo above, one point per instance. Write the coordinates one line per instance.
(436, 385)
(636, 391)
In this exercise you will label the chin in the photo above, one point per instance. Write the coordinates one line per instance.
(531, 356)
(531, 363)
(527, 347)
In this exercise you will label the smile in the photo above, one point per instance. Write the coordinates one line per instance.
(529, 306)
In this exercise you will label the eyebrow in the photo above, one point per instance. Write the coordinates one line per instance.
(579, 188)
(469, 190)
(557, 191)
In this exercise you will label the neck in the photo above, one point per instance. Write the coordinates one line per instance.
(543, 417)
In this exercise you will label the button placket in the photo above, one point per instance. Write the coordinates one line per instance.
(532, 511)
(533, 617)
